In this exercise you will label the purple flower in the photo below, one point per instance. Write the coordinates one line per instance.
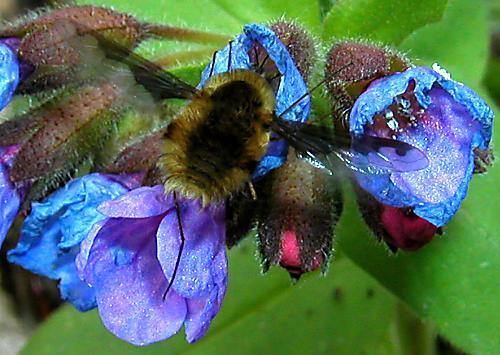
(129, 259)
(444, 119)
(52, 232)
(10, 196)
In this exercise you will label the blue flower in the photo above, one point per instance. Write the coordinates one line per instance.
(10, 195)
(291, 87)
(129, 258)
(52, 233)
(9, 73)
(444, 119)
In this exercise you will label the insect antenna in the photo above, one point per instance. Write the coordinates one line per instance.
(256, 54)
(229, 56)
(181, 248)
(310, 91)
(301, 98)
(213, 64)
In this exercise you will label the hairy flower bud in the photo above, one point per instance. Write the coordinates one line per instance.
(351, 67)
(298, 215)
(51, 39)
(299, 44)
(399, 228)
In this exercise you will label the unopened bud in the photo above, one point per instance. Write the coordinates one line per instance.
(353, 66)
(299, 44)
(350, 68)
(399, 228)
(297, 221)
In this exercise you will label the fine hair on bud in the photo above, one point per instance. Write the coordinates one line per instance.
(350, 67)
(299, 44)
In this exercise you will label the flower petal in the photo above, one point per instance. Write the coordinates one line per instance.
(51, 234)
(139, 203)
(76, 292)
(42, 256)
(9, 74)
(10, 202)
(292, 85)
(92, 190)
(449, 135)
(202, 310)
(83, 256)
(204, 231)
(129, 282)
(381, 94)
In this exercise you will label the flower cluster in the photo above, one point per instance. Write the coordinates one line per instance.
(153, 262)
(117, 246)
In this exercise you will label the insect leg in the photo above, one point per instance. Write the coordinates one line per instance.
(260, 68)
(256, 53)
(277, 76)
(181, 248)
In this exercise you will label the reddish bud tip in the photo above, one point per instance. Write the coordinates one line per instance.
(290, 256)
(404, 229)
(290, 249)
(399, 228)
(300, 209)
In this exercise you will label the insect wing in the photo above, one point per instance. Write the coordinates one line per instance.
(365, 154)
(158, 82)
(67, 52)
(390, 154)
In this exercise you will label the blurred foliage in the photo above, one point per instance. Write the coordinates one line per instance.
(492, 77)
(453, 282)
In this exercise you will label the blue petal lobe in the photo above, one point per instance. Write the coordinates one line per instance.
(9, 74)
(202, 310)
(204, 231)
(129, 283)
(52, 233)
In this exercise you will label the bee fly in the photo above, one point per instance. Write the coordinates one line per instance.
(213, 145)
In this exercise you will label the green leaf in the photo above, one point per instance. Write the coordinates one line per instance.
(263, 11)
(454, 280)
(220, 16)
(389, 21)
(260, 313)
(459, 43)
